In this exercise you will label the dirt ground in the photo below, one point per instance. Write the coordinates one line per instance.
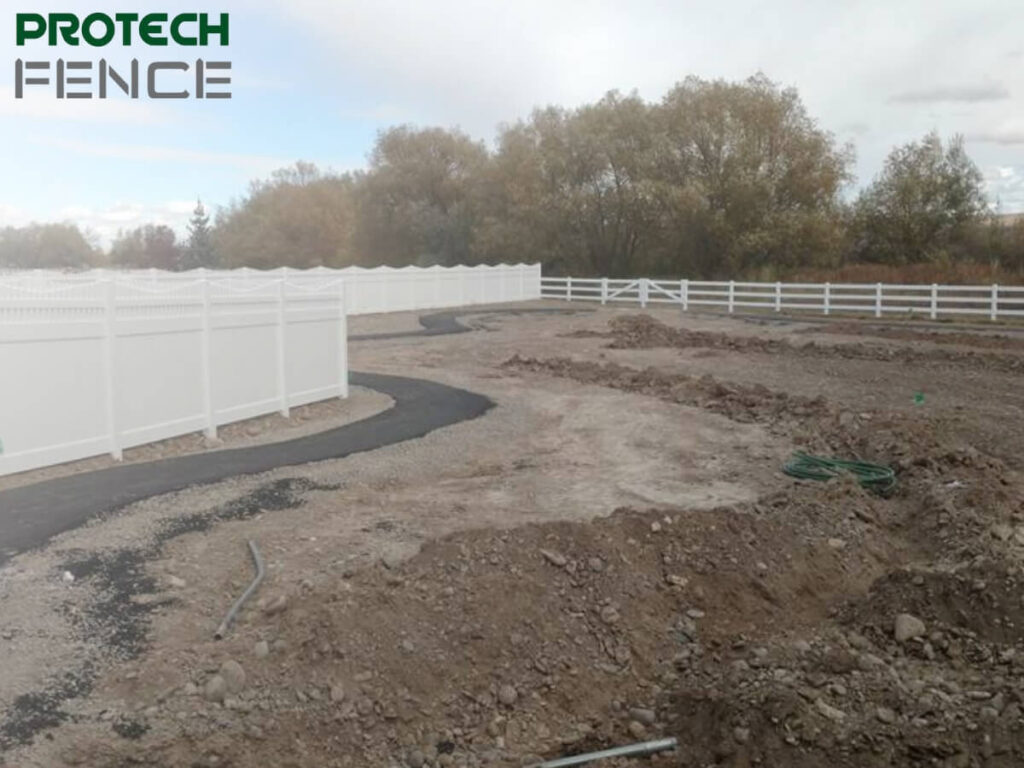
(611, 554)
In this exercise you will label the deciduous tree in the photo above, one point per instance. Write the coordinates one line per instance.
(922, 206)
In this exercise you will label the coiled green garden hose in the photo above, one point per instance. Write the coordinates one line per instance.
(875, 477)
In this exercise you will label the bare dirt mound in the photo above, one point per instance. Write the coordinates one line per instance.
(955, 338)
(645, 332)
(738, 402)
(756, 634)
(495, 648)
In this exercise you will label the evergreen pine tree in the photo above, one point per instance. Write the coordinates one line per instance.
(199, 251)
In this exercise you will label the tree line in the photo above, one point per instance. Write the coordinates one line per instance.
(718, 179)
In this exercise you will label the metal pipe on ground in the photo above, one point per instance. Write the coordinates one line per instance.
(630, 750)
(257, 560)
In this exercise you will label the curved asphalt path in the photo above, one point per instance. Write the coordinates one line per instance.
(30, 515)
(445, 323)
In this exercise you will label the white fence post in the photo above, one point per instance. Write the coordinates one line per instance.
(282, 319)
(110, 367)
(207, 362)
(732, 295)
(827, 295)
(342, 342)
(878, 299)
(643, 292)
(778, 296)
(994, 311)
(568, 289)
(684, 293)
(604, 290)
(935, 302)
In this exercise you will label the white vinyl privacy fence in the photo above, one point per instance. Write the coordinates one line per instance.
(97, 362)
(994, 302)
(367, 291)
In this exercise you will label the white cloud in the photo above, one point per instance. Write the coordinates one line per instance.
(13, 216)
(46, 108)
(105, 222)
(254, 164)
(970, 94)
(1005, 185)
(1007, 135)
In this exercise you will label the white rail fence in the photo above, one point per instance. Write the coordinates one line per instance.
(367, 291)
(992, 301)
(94, 363)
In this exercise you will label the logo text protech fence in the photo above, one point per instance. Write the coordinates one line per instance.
(86, 79)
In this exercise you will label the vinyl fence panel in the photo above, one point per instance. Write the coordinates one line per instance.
(100, 361)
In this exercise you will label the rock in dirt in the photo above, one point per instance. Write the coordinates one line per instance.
(233, 674)
(885, 715)
(1002, 532)
(391, 560)
(637, 730)
(906, 627)
(609, 615)
(507, 695)
(557, 559)
(337, 693)
(833, 714)
(277, 605)
(645, 716)
(416, 759)
(216, 689)
(261, 649)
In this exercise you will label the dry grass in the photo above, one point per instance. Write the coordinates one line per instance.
(946, 274)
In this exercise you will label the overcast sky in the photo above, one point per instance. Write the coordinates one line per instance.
(315, 80)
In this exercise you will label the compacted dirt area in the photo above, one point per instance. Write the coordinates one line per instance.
(976, 340)
(609, 555)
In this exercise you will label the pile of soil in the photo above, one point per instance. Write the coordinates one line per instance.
(895, 333)
(756, 634)
(646, 332)
(738, 402)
